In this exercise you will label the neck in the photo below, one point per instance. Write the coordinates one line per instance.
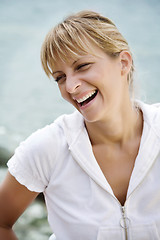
(123, 126)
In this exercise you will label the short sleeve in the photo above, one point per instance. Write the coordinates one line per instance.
(35, 158)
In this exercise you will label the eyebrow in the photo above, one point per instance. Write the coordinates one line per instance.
(56, 72)
(75, 62)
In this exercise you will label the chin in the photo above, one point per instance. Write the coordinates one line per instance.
(91, 118)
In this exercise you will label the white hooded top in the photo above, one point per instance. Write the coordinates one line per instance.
(58, 160)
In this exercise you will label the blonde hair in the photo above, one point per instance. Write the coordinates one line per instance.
(74, 36)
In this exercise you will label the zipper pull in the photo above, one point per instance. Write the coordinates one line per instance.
(124, 221)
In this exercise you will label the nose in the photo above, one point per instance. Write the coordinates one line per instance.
(72, 84)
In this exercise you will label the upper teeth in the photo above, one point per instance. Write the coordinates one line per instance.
(85, 97)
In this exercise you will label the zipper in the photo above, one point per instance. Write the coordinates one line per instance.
(124, 222)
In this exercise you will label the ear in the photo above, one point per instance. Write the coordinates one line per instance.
(126, 62)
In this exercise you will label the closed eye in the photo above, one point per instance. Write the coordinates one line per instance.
(60, 78)
(83, 66)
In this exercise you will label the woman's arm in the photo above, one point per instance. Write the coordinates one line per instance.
(14, 199)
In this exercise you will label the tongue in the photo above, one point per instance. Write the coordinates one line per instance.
(89, 99)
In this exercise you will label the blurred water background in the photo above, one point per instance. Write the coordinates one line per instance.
(28, 100)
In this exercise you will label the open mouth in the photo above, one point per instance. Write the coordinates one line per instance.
(88, 99)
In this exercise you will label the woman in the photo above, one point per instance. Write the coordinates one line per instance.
(98, 167)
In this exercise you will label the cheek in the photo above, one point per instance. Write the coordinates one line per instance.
(66, 95)
(62, 91)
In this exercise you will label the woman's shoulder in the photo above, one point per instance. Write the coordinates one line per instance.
(52, 132)
(36, 157)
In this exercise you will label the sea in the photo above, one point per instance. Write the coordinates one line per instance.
(28, 99)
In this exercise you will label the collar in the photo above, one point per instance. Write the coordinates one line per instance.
(81, 149)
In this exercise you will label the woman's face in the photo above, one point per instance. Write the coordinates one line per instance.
(92, 84)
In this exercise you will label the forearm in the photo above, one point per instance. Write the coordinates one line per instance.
(7, 234)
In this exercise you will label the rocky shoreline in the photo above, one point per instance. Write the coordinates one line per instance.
(5, 155)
